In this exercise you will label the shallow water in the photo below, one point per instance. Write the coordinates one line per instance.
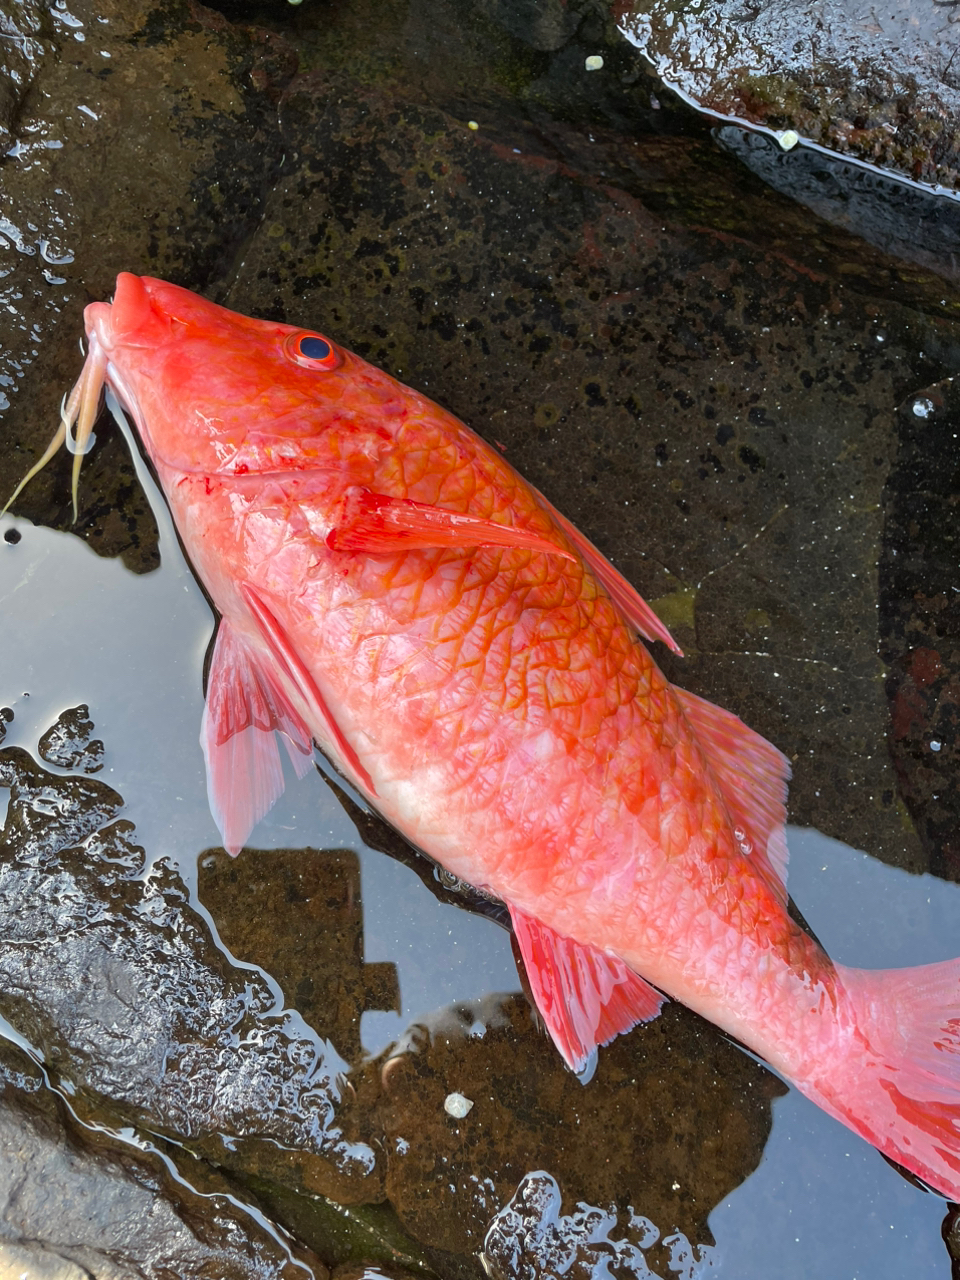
(718, 387)
(820, 1201)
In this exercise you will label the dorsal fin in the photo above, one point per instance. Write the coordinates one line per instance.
(626, 597)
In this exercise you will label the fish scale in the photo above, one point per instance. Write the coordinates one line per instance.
(391, 589)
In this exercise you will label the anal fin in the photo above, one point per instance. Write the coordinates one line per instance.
(584, 996)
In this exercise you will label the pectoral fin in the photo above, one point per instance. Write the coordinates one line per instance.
(245, 710)
(288, 660)
(374, 522)
(584, 996)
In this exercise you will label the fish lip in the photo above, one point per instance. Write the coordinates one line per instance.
(130, 320)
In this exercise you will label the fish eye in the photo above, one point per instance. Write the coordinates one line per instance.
(312, 350)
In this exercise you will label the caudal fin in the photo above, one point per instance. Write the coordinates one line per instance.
(902, 1089)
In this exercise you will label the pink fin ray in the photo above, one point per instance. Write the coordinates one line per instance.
(626, 597)
(289, 661)
(374, 523)
(584, 996)
(903, 1089)
(753, 776)
(243, 712)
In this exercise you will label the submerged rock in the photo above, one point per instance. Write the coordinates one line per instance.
(531, 1239)
(674, 1118)
(920, 618)
(298, 913)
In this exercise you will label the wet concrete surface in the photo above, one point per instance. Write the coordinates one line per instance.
(716, 385)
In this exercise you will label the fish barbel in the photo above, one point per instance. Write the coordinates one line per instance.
(391, 589)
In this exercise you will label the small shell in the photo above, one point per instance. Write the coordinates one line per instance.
(456, 1105)
(594, 62)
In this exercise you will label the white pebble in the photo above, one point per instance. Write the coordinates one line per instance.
(923, 407)
(594, 62)
(456, 1105)
(788, 139)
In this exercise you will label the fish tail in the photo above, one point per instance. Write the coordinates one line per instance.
(900, 1088)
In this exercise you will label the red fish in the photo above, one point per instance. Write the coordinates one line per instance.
(390, 588)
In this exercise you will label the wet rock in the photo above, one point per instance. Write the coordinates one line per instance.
(531, 1239)
(545, 25)
(24, 44)
(110, 974)
(140, 138)
(712, 412)
(920, 617)
(298, 913)
(674, 1118)
(68, 742)
(883, 88)
(76, 1205)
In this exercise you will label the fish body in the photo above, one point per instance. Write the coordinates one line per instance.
(390, 588)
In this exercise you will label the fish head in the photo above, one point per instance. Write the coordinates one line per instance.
(218, 393)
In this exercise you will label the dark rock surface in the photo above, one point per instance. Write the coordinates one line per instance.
(311, 903)
(675, 1148)
(143, 135)
(921, 617)
(531, 1237)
